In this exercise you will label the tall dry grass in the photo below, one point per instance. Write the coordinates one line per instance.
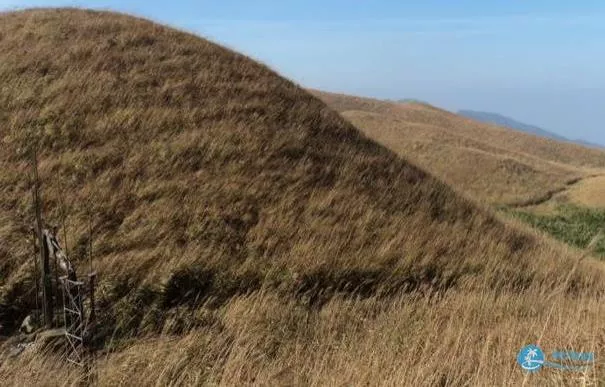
(247, 234)
(456, 338)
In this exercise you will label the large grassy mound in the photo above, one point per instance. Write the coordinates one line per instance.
(226, 199)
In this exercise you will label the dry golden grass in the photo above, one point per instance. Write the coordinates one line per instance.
(245, 233)
(454, 339)
(490, 163)
(589, 192)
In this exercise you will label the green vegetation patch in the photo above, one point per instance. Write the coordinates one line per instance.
(574, 225)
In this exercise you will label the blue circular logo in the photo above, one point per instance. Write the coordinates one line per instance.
(531, 358)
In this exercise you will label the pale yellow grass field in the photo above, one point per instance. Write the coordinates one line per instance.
(489, 163)
(589, 192)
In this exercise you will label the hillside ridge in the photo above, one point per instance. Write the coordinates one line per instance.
(488, 162)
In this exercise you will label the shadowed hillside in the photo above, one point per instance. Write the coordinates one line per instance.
(488, 162)
(245, 232)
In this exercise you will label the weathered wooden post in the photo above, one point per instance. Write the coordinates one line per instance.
(47, 296)
(36, 271)
(92, 314)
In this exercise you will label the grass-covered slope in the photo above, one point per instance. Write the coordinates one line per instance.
(494, 164)
(226, 199)
(189, 155)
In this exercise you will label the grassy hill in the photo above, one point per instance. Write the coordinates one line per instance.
(490, 163)
(245, 233)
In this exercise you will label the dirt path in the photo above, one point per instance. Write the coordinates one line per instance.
(569, 185)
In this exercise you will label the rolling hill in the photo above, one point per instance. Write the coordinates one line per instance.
(489, 163)
(245, 233)
(500, 120)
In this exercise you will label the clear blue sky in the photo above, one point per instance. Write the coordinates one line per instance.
(538, 61)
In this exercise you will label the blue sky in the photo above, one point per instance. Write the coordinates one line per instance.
(538, 61)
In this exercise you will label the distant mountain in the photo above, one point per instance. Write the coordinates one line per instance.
(498, 119)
